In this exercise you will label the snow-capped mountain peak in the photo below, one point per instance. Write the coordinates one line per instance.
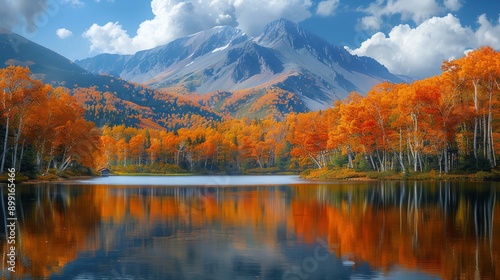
(224, 58)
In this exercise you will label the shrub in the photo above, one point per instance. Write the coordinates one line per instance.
(67, 174)
(49, 177)
(361, 164)
(339, 160)
(386, 175)
(486, 176)
(305, 173)
(267, 170)
(470, 165)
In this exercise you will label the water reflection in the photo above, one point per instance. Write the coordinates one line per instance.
(363, 230)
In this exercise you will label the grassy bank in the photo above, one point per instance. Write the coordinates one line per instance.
(69, 175)
(145, 171)
(52, 176)
(20, 178)
(350, 174)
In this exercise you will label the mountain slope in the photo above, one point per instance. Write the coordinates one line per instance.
(224, 58)
(117, 102)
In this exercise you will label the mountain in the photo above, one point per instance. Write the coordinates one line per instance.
(285, 56)
(110, 100)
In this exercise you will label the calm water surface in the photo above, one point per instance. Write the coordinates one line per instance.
(250, 227)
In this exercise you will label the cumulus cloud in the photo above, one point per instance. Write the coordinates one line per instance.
(420, 51)
(487, 33)
(110, 38)
(176, 18)
(409, 10)
(63, 33)
(327, 8)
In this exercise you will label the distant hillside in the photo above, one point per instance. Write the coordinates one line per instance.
(253, 103)
(120, 102)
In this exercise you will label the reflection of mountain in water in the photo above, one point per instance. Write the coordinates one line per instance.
(441, 229)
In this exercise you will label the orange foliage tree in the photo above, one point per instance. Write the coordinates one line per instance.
(434, 123)
(48, 121)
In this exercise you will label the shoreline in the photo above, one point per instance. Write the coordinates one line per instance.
(343, 174)
(22, 179)
(312, 175)
(59, 180)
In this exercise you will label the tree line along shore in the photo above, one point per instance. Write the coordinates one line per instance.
(444, 127)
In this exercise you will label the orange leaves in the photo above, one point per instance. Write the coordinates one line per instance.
(408, 123)
(239, 143)
(77, 140)
(394, 126)
(308, 133)
(47, 119)
(480, 64)
(478, 77)
(137, 146)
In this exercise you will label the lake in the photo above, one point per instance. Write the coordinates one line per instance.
(254, 227)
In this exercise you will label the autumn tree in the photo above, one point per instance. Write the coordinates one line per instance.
(20, 93)
(479, 73)
(45, 119)
(308, 132)
(433, 123)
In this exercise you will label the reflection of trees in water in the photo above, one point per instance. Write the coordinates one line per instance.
(441, 227)
(445, 228)
(478, 200)
(54, 224)
(193, 232)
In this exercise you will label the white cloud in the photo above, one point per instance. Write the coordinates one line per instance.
(416, 11)
(76, 3)
(327, 8)
(110, 38)
(420, 51)
(175, 18)
(488, 34)
(370, 23)
(453, 5)
(253, 15)
(63, 33)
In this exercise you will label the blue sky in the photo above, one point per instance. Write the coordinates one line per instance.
(409, 37)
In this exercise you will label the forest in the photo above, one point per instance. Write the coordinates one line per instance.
(445, 123)
(42, 128)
